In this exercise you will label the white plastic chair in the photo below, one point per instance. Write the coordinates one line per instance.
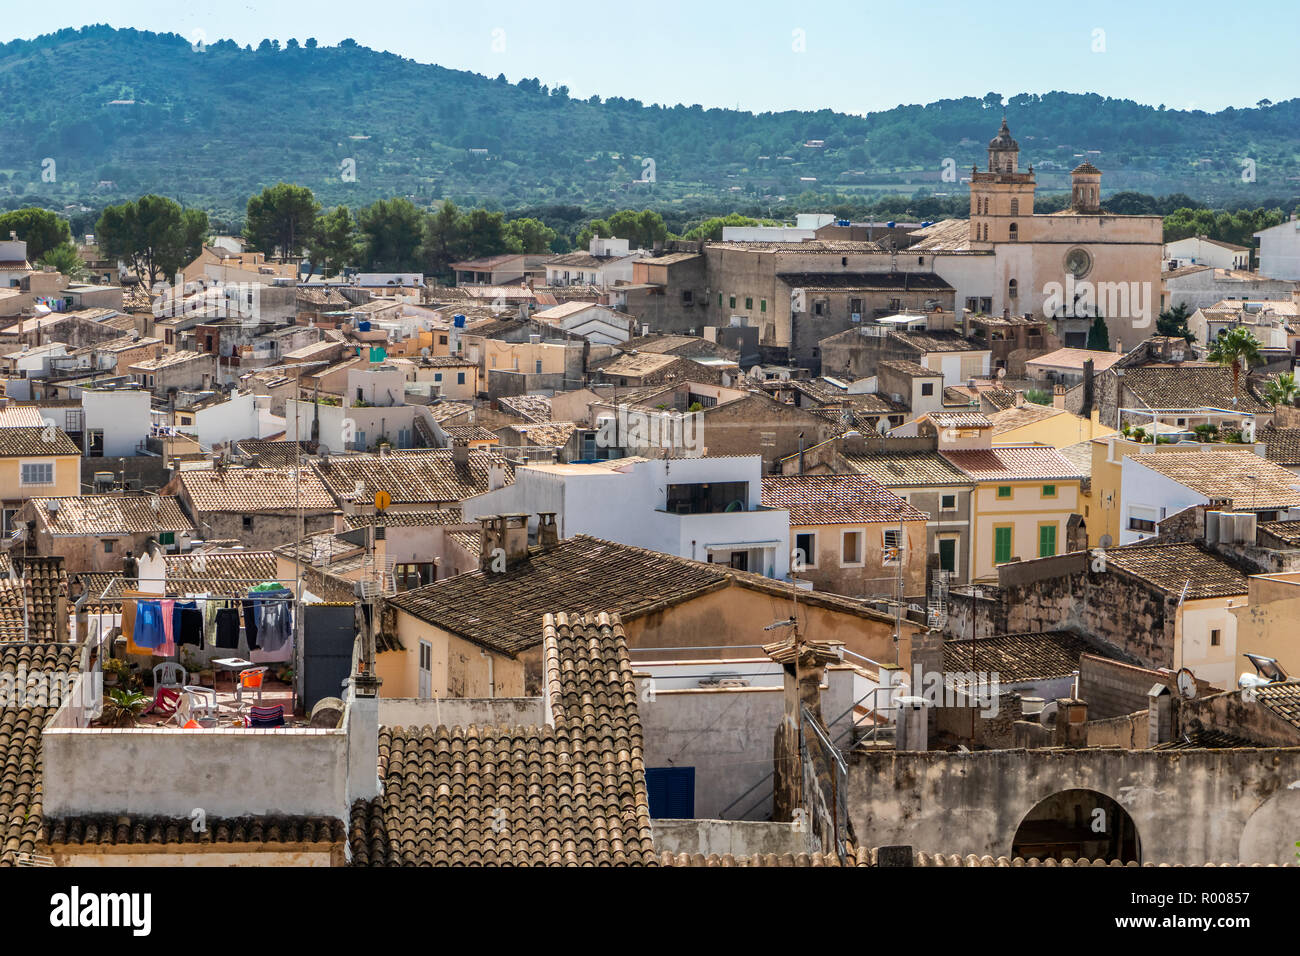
(169, 674)
(197, 703)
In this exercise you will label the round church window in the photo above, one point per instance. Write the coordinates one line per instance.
(1078, 262)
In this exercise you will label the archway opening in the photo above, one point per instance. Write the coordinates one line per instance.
(1078, 824)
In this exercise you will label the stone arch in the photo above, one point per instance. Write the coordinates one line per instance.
(1271, 832)
(1078, 824)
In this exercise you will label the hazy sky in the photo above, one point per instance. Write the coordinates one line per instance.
(766, 55)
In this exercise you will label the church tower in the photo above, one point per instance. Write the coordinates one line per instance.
(1001, 199)
(1085, 191)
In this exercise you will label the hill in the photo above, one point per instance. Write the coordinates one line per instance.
(97, 115)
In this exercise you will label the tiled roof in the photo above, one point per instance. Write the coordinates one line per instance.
(129, 830)
(1017, 416)
(835, 499)
(998, 397)
(255, 489)
(909, 368)
(959, 419)
(531, 408)
(1074, 359)
(1190, 386)
(468, 433)
(501, 611)
(446, 411)
(905, 470)
(20, 743)
(110, 514)
(1171, 567)
(275, 454)
(412, 477)
(545, 434)
(639, 363)
(1017, 658)
(861, 856)
(30, 441)
(571, 794)
(13, 619)
(12, 416)
(1013, 462)
(1281, 445)
(1286, 531)
(430, 517)
(45, 583)
(1282, 699)
(883, 281)
(1247, 480)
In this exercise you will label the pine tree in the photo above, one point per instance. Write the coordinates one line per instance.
(1099, 336)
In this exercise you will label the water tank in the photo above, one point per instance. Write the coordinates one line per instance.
(363, 326)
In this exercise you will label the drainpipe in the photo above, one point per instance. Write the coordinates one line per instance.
(492, 683)
(801, 453)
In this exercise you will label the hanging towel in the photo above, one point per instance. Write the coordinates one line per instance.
(250, 624)
(149, 626)
(189, 626)
(275, 626)
(227, 628)
(168, 646)
(210, 606)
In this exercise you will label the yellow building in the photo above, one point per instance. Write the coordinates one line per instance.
(36, 463)
(1104, 517)
(1024, 498)
(1045, 425)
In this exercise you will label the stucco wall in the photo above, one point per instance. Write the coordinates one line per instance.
(1189, 806)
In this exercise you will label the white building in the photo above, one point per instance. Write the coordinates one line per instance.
(706, 509)
(605, 263)
(1279, 250)
(596, 323)
(1204, 251)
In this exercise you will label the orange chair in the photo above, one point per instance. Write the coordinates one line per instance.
(251, 679)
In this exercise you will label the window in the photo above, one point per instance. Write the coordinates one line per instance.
(948, 554)
(851, 548)
(1049, 491)
(927, 388)
(733, 302)
(1215, 636)
(248, 522)
(167, 537)
(460, 376)
(892, 546)
(37, 473)
(749, 303)
(855, 306)
(719, 300)
(1046, 540)
(1141, 524)
(819, 307)
(1014, 232)
(805, 547)
(108, 546)
(442, 340)
(437, 376)
(1002, 544)
(1015, 207)
(708, 497)
(948, 502)
(1013, 288)
(1004, 491)
(762, 305)
(688, 297)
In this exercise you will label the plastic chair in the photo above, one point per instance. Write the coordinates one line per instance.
(197, 703)
(169, 674)
(250, 679)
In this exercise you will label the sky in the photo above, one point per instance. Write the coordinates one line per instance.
(760, 55)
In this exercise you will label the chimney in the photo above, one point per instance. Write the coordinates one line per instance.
(496, 475)
(852, 443)
(1088, 387)
(1058, 397)
(1071, 723)
(1020, 398)
(548, 535)
(460, 455)
(491, 526)
(515, 535)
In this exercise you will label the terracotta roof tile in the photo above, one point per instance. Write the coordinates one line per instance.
(24, 441)
(1248, 481)
(255, 489)
(1190, 386)
(1171, 567)
(110, 514)
(835, 499)
(129, 830)
(1012, 463)
(572, 794)
(413, 477)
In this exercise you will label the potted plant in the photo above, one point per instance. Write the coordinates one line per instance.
(122, 708)
(116, 671)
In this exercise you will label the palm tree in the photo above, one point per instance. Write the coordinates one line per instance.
(1237, 348)
(1282, 389)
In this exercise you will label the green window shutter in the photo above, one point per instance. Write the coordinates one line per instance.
(1049, 491)
(762, 305)
(719, 300)
(1047, 541)
(1004, 491)
(1001, 545)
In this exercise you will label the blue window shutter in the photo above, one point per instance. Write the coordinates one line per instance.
(671, 792)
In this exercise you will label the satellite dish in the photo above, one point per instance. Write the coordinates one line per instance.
(1186, 683)
(1002, 373)
(1048, 716)
(1106, 541)
(882, 426)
